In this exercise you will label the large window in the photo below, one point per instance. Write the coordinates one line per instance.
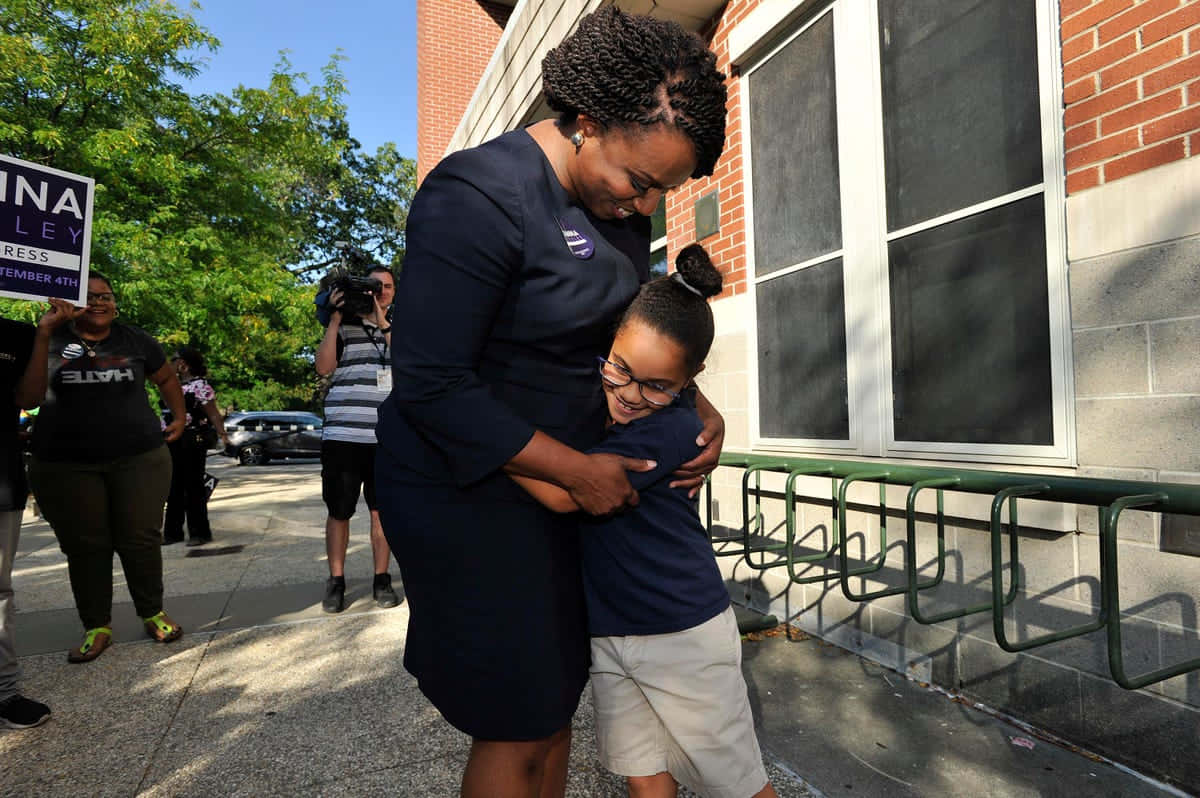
(909, 275)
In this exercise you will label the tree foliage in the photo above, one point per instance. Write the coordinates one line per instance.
(212, 212)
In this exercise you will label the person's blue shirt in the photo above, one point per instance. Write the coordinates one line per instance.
(651, 570)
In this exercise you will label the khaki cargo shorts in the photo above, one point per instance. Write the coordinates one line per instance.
(677, 703)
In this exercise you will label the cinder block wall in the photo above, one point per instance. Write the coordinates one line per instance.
(1131, 116)
(455, 40)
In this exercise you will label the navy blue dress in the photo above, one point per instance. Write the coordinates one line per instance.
(507, 294)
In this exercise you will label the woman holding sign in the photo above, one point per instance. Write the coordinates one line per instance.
(100, 469)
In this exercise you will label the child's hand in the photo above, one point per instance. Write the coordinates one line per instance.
(602, 488)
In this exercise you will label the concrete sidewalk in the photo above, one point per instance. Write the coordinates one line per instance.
(267, 695)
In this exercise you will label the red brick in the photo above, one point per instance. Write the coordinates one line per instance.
(1079, 90)
(1142, 63)
(1142, 112)
(1183, 122)
(1078, 181)
(1100, 104)
(1145, 159)
(1141, 13)
(1194, 41)
(1174, 75)
(1103, 149)
(455, 41)
(1081, 134)
(1182, 19)
(1091, 16)
(1106, 55)
(1080, 45)
(1068, 7)
(1194, 143)
(1193, 93)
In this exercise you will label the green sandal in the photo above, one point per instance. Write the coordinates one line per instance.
(162, 628)
(95, 641)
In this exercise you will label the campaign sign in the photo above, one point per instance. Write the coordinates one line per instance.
(45, 231)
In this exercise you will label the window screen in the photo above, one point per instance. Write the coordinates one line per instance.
(802, 355)
(794, 163)
(970, 330)
(960, 104)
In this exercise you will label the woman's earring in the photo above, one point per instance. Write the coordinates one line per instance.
(577, 140)
(116, 312)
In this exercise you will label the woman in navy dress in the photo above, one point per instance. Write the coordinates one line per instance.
(521, 255)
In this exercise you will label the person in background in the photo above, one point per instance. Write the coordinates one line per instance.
(100, 470)
(522, 253)
(354, 353)
(203, 426)
(19, 343)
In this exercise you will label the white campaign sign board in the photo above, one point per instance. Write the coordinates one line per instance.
(45, 231)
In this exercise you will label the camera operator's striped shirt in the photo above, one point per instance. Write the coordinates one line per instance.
(352, 404)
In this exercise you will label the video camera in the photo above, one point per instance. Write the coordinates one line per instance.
(353, 279)
(358, 293)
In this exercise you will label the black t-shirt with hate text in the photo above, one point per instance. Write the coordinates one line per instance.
(16, 342)
(96, 408)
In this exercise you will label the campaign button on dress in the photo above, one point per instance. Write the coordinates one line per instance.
(580, 245)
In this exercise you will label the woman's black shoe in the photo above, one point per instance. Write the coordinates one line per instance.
(198, 541)
(166, 541)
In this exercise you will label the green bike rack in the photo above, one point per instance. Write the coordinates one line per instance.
(844, 571)
(789, 496)
(1111, 597)
(747, 549)
(1112, 497)
(1011, 495)
(910, 518)
(716, 540)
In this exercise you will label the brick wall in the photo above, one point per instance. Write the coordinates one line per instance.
(1131, 77)
(455, 40)
(727, 247)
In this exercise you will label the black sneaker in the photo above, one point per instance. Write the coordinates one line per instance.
(19, 712)
(335, 595)
(384, 595)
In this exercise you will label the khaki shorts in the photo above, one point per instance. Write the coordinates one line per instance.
(677, 703)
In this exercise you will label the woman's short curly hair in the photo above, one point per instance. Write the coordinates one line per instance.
(625, 70)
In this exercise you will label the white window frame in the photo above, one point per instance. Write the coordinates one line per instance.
(865, 238)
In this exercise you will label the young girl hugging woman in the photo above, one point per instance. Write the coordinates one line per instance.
(671, 702)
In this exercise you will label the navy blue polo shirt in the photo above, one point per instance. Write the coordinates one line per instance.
(651, 570)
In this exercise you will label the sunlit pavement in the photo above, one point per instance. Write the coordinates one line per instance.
(267, 695)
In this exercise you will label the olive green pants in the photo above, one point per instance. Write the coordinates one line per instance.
(96, 509)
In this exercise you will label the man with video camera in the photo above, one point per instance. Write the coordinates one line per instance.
(355, 351)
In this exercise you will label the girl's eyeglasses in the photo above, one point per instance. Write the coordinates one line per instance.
(619, 376)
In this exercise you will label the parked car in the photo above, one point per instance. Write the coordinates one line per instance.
(258, 437)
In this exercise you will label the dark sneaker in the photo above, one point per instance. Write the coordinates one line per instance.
(19, 712)
(384, 595)
(167, 541)
(198, 541)
(335, 596)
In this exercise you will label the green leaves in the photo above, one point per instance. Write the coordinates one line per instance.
(212, 212)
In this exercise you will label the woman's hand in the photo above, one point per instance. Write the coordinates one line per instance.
(60, 312)
(691, 474)
(174, 430)
(602, 488)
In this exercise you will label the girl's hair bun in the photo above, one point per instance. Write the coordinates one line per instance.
(697, 270)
